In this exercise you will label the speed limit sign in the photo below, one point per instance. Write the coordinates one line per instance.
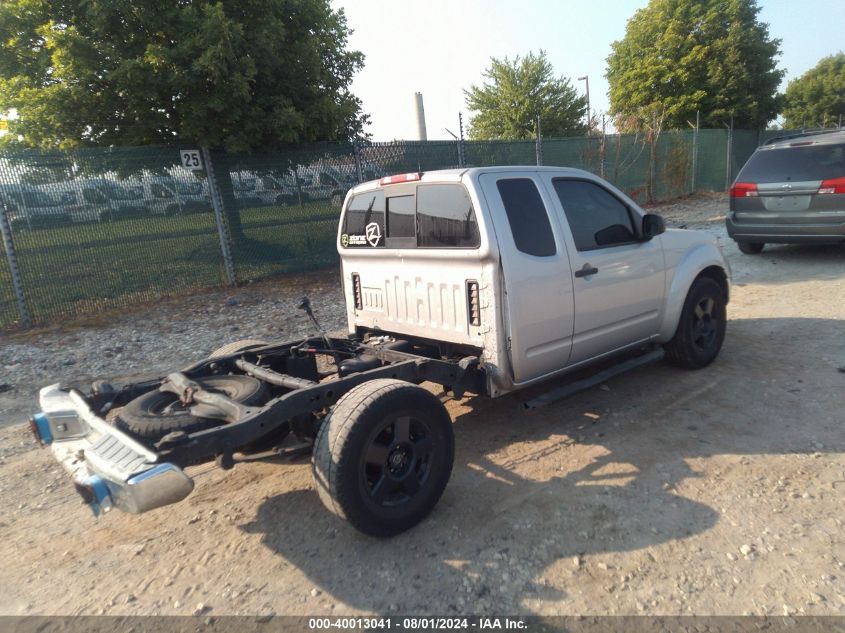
(191, 159)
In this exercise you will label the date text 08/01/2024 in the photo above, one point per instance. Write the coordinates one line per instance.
(387, 623)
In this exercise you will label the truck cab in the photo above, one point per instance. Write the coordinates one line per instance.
(539, 270)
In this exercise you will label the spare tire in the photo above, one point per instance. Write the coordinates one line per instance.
(157, 413)
(237, 346)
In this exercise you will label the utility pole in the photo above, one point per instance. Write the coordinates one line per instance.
(586, 78)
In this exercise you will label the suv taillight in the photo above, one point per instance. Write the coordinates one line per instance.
(833, 185)
(744, 190)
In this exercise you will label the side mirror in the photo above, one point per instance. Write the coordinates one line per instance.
(653, 225)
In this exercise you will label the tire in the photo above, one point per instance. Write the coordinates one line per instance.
(750, 248)
(701, 328)
(157, 413)
(367, 470)
(237, 346)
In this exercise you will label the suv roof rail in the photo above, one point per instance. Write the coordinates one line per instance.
(786, 137)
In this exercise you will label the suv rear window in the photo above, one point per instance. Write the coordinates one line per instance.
(426, 216)
(796, 164)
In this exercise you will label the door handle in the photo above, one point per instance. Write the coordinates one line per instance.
(586, 271)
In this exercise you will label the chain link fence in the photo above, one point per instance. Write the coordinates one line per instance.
(93, 229)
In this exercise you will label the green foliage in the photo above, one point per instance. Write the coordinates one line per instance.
(239, 74)
(683, 56)
(516, 93)
(817, 97)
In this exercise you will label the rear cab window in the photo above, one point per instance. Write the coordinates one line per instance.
(363, 224)
(427, 215)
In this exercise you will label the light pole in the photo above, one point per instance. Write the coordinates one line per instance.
(586, 78)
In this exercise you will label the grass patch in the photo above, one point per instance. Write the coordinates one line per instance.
(80, 268)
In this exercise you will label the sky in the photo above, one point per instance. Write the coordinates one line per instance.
(441, 47)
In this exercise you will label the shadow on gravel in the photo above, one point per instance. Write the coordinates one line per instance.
(546, 492)
(786, 263)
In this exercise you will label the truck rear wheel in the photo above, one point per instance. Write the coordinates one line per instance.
(701, 328)
(383, 456)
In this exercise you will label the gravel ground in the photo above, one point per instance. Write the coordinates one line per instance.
(710, 492)
(157, 338)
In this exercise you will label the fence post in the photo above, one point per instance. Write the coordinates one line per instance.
(695, 150)
(460, 140)
(602, 147)
(729, 154)
(17, 282)
(222, 231)
(358, 169)
(539, 144)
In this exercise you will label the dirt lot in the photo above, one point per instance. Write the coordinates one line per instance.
(711, 492)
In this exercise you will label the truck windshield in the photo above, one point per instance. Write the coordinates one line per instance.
(189, 189)
(40, 199)
(116, 192)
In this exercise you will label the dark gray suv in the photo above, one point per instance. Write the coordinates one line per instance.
(791, 191)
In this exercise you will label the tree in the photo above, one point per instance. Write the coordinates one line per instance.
(516, 93)
(230, 74)
(683, 56)
(239, 74)
(817, 97)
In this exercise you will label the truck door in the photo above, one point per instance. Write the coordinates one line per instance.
(618, 279)
(537, 307)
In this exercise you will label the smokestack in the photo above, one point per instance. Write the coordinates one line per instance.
(420, 111)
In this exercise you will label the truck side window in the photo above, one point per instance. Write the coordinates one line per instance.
(445, 217)
(596, 217)
(93, 196)
(363, 224)
(160, 191)
(527, 216)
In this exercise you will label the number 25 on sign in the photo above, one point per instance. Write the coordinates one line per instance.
(191, 159)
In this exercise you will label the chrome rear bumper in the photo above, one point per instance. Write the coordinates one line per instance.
(109, 468)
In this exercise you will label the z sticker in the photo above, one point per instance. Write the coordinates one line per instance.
(372, 237)
(373, 233)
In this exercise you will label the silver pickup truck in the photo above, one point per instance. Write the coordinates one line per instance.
(482, 281)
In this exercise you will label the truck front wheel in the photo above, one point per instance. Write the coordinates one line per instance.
(383, 456)
(701, 328)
